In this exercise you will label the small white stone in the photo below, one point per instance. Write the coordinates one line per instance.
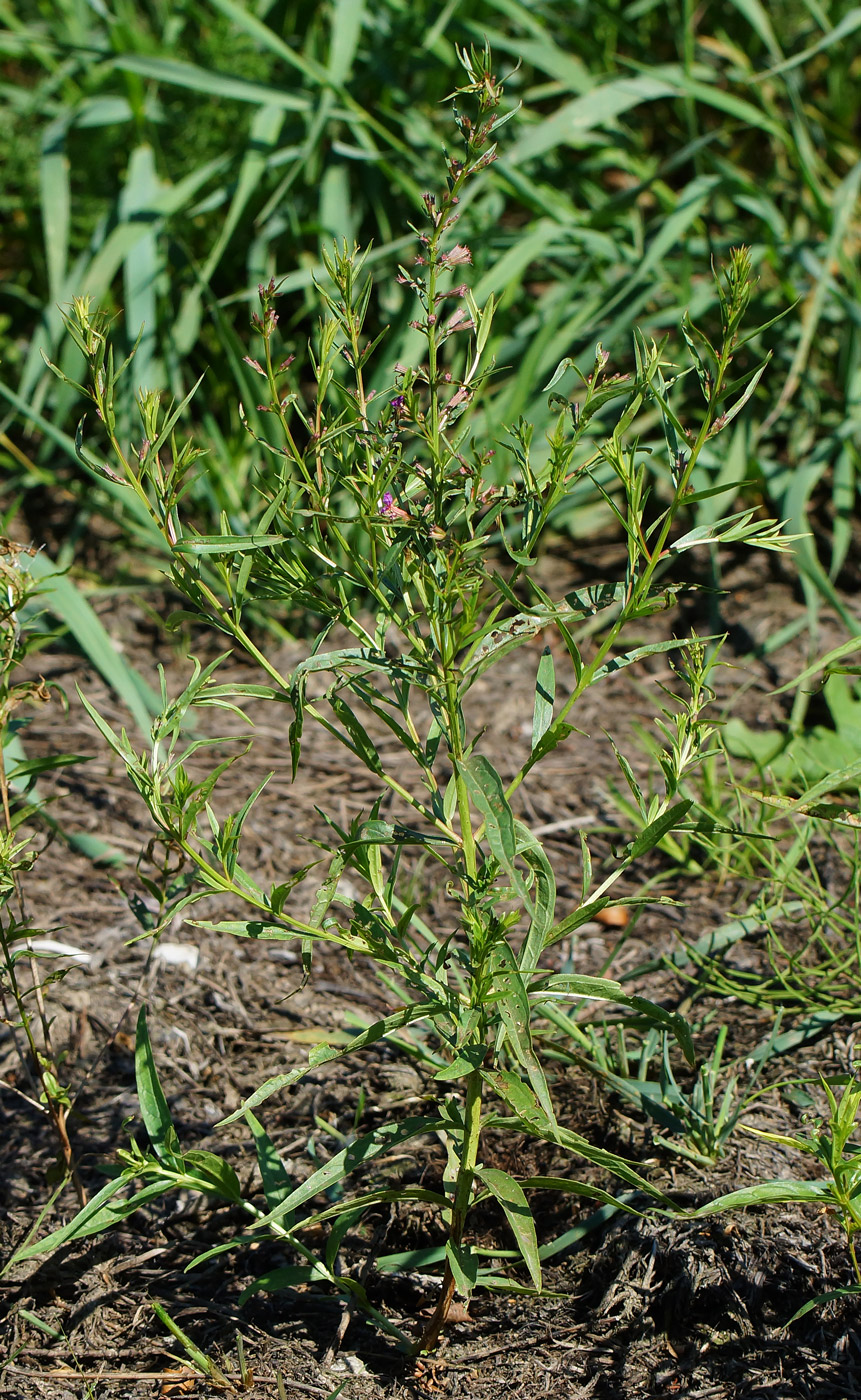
(178, 955)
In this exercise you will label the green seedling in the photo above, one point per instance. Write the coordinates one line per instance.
(202, 1363)
(696, 1122)
(829, 1143)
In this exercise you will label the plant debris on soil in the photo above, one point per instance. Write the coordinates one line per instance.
(637, 1306)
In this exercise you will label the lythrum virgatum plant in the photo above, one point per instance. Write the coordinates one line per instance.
(389, 522)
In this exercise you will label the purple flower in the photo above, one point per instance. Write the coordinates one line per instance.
(385, 503)
(456, 255)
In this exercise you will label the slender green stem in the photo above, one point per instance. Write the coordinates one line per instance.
(460, 1206)
(472, 1108)
(453, 715)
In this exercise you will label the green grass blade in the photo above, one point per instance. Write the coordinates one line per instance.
(348, 16)
(597, 108)
(56, 203)
(143, 262)
(68, 603)
(178, 73)
(848, 25)
(265, 130)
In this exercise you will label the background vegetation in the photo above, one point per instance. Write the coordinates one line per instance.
(166, 159)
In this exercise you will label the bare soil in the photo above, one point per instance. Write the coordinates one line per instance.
(655, 1306)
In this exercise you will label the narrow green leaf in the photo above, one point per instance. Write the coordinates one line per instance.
(596, 108)
(177, 73)
(143, 263)
(847, 25)
(545, 696)
(768, 1193)
(652, 834)
(618, 663)
(357, 1205)
(829, 659)
(851, 1291)
(468, 1058)
(514, 1009)
(56, 202)
(211, 1173)
(532, 1119)
(361, 742)
(417, 1011)
(603, 989)
(510, 1196)
(349, 1160)
(464, 1267)
(276, 1183)
(193, 1352)
(348, 17)
(226, 544)
(289, 1276)
(265, 130)
(555, 735)
(70, 605)
(488, 795)
(99, 1214)
(153, 1104)
(542, 905)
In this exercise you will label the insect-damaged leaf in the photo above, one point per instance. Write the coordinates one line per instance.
(510, 1196)
(486, 791)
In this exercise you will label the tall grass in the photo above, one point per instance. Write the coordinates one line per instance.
(167, 158)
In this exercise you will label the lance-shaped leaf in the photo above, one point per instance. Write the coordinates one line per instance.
(513, 1006)
(276, 1183)
(545, 696)
(768, 1193)
(531, 1119)
(359, 741)
(558, 732)
(500, 638)
(464, 1267)
(743, 527)
(153, 1104)
(590, 908)
(618, 663)
(488, 795)
(655, 832)
(851, 1290)
(563, 984)
(199, 545)
(543, 902)
(510, 1196)
(321, 1054)
(357, 1205)
(104, 1210)
(365, 1149)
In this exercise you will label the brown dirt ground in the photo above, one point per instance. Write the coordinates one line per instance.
(652, 1306)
